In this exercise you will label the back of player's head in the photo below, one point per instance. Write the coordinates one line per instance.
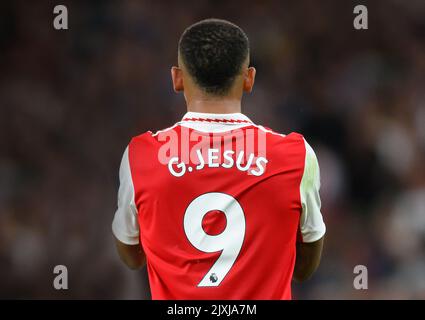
(214, 51)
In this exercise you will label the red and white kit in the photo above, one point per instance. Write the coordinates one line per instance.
(218, 204)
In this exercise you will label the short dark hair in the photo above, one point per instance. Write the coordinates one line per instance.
(213, 51)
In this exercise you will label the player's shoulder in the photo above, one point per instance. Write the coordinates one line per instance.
(294, 139)
(149, 135)
(290, 137)
(141, 136)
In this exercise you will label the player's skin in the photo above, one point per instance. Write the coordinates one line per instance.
(197, 100)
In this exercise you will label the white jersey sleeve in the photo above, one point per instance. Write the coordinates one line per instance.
(125, 225)
(311, 221)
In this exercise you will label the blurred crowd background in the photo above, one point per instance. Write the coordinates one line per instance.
(71, 100)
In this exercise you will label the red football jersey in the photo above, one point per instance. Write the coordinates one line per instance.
(218, 203)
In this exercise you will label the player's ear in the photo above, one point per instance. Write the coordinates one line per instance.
(249, 79)
(177, 76)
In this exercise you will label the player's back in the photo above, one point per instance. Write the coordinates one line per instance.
(219, 201)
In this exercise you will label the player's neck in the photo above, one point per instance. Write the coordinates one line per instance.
(215, 105)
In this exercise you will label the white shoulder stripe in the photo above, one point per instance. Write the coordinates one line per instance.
(311, 220)
(125, 224)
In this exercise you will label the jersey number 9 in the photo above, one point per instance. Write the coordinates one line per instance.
(229, 242)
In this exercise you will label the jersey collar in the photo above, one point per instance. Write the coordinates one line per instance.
(224, 118)
(215, 122)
